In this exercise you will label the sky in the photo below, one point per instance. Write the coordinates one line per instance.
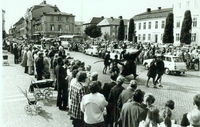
(84, 9)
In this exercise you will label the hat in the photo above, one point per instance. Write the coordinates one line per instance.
(133, 84)
(120, 79)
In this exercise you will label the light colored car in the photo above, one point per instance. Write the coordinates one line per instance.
(115, 52)
(93, 50)
(173, 64)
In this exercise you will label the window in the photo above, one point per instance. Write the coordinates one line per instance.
(163, 24)
(52, 28)
(194, 22)
(139, 36)
(144, 37)
(156, 25)
(178, 24)
(67, 27)
(52, 18)
(59, 28)
(177, 37)
(144, 25)
(59, 18)
(194, 37)
(168, 59)
(161, 37)
(149, 37)
(149, 25)
(139, 26)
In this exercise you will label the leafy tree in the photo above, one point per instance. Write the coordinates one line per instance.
(168, 36)
(121, 30)
(93, 31)
(186, 28)
(131, 30)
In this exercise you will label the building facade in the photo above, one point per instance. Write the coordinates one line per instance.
(3, 20)
(149, 26)
(44, 20)
(78, 28)
(109, 28)
(180, 6)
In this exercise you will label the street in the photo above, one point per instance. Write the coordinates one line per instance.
(181, 89)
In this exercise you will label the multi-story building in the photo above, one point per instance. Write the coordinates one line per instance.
(109, 28)
(93, 21)
(45, 20)
(18, 30)
(150, 25)
(3, 20)
(180, 6)
(78, 28)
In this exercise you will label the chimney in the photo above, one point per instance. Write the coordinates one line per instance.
(112, 18)
(120, 17)
(102, 17)
(159, 8)
(148, 9)
(44, 2)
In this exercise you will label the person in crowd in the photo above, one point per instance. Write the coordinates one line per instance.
(152, 72)
(160, 70)
(60, 74)
(152, 119)
(24, 60)
(93, 106)
(76, 93)
(113, 98)
(47, 74)
(194, 115)
(133, 112)
(107, 62)
(30, 61)
(39, 63)
(51, 56)
(35, 57)
(114, 66)
(106, 91)
(16, 54)
(149, 100)
(94, 76)
(127, 93)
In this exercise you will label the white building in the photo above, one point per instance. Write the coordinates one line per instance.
(180, 6)
(150, 25)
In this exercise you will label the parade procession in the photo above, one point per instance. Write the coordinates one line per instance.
(100, 63)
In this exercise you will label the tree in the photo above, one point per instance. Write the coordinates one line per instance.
(121, 30)
(168, 36)
(186, 28)
(93, 31)
(131, 30)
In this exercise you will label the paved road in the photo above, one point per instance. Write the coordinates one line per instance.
(181, 89)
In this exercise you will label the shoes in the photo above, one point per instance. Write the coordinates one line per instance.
(147, 86)
(160, 86)
(155, 87)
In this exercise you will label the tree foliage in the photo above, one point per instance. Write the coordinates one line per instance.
(186, 28)
(131, 30)
(93, 31)
(168, 36)
(121, 30)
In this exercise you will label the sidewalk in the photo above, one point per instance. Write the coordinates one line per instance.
(13, 102)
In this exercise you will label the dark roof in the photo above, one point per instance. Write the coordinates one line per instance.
(58, 13)
(43, 5)
(95, 20)
(20, 21)
(154, 14)
(116, 21)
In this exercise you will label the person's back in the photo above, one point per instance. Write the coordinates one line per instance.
(131, 114)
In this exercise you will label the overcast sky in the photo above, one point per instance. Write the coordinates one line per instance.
(84, 9)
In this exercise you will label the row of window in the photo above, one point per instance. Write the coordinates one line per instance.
(150, 25)
(52, 27)
(194, 23)
(58, 18)
(143, 37)
(193, 37)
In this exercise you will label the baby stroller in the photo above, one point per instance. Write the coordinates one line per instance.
(42, 89)
(32, 108)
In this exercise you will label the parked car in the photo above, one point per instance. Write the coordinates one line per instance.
(92, 50)
(173, 64)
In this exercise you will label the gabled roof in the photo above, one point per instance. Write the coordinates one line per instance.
(112, 22)
(95, 20)
(154, 14)
(20, 21)
(43, 5)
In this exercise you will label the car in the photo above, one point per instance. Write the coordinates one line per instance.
(92, 50)
(173, 64)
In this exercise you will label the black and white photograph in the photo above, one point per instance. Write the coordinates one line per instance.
(100, 63)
